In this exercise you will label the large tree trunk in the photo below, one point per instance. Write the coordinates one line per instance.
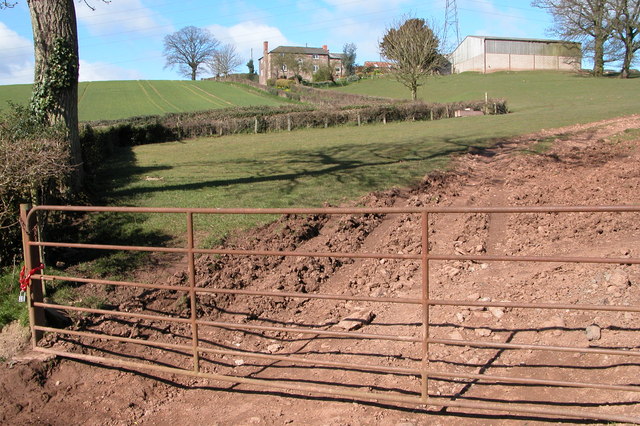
(627, 31)
(598, 54)
(628, 57)
(55, 97)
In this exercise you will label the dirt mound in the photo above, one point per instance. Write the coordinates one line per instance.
(593, 164)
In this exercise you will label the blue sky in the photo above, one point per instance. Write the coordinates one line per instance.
(122, 39)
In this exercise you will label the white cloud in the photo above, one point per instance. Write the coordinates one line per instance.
(17, 62)
(101, 71)
(249, 35)
(117, 17)
(17, 65)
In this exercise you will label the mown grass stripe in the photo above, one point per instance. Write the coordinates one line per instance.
(174, 107)
(154, 103)
(83, 90)
(223, 101)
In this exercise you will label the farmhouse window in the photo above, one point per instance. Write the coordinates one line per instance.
(316, 57)
(316, 68)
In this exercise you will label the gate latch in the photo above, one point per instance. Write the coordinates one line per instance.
(25, 281)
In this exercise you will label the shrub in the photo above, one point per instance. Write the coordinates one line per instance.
(323, 74)
(35, 162)
(283, 83)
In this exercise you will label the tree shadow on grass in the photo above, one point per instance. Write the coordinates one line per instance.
(106, 228)
(368, 166)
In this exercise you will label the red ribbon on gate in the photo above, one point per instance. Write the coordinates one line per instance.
(25, 281)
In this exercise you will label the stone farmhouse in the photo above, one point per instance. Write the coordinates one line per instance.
(287, 61)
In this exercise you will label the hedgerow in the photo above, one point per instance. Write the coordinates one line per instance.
(100, 138)
(34, 162)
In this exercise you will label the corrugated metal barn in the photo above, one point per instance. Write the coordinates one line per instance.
(490, 54)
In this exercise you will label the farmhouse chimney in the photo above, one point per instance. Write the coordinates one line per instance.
(324, 46)
(265, 64)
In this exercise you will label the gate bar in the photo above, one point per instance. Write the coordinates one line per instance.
(365, 367)
(401, 300)
(192, 293)
(376, 396)
(490, 345)
(347, 210)
(234, 326)
(424, 238)
(474, 258)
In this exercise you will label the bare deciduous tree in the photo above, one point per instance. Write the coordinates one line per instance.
(412, 47)
(225, 60)
(587, 21)
(626, 28)
(189, 49)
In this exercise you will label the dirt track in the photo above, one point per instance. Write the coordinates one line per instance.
(595, 164)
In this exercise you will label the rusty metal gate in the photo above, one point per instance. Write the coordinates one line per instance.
(409, 373)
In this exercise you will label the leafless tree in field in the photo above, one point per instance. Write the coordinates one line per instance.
(189, 49)
(412, 46)
(225, 61)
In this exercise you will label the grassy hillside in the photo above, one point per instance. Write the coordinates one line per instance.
(548, 99)
(309, 167)
(111, 100)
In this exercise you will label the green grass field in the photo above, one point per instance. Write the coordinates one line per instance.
(112, 100)
(308, 167)
(548, 99)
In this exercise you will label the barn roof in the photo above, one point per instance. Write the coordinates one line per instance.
(535, 40)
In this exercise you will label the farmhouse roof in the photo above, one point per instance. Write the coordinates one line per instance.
(300, 50)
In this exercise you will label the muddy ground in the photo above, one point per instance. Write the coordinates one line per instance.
(594, 164)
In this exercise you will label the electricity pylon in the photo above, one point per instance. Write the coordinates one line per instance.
(451, 25)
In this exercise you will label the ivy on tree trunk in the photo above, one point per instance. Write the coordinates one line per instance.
(55, 95)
